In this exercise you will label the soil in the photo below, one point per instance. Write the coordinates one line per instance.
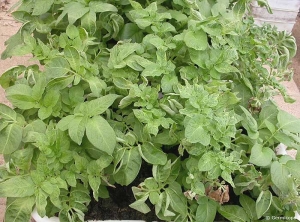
(117, 206)
(296, 59)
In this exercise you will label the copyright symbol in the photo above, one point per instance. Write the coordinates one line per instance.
(267, 217)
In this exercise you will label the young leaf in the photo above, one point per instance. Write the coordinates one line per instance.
(234, 213)
(195, 133)
(17, 186)
(263, 203)
(101, 134)
(152, 155)
(261, 156)
(10, 138)
(206, 210)
(207, 162)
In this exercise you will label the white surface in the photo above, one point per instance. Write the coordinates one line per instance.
(283, 17)
(297, 216)
(37, 217)
(281, 149)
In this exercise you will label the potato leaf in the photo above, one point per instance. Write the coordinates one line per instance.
(234, 213)
(101, 134)
(18, 186)
(130, 167)
(10, 138)
(263, 203)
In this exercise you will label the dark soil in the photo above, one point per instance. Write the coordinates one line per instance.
(117, 206)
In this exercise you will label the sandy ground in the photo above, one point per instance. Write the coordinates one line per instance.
(8, 27)
(296, 60)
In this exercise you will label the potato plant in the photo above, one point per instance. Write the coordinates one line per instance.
(184, 86)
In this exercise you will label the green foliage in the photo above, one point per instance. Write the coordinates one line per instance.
(180, 86)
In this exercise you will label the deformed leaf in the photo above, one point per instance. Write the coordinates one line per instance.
(263, 203)
(177, 200)
(207, 162)
(11, 75)
(95, 182)
(130, 167)
(152, 155)
(195, 133)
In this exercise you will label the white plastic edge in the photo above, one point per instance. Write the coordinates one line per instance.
(38, 218)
